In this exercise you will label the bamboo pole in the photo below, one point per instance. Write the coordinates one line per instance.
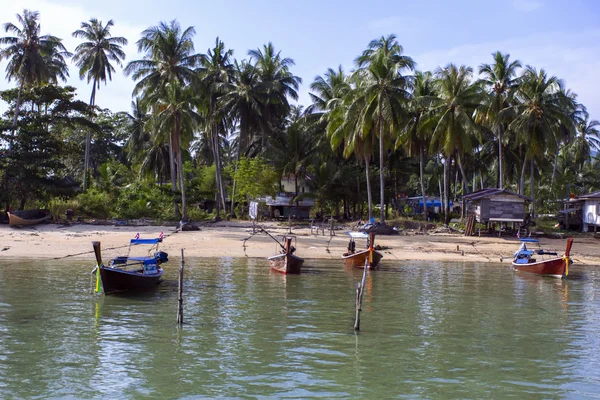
(359, 296)
(180, 291)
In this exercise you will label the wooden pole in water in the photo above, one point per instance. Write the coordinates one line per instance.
(359, 295)
(180, 299)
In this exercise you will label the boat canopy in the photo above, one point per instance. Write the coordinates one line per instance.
(358, 235)
(146, 241)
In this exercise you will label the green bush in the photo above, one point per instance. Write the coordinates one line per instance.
(143, 200)
(59, 206)
(96, 204)
(197, 214)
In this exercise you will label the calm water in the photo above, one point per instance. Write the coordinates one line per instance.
(428, 331)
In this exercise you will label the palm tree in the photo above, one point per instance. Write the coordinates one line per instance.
(328, 90)
(169, 59)
(538, 114)
(345, 126)
(454, 128)
(385, 93)
(293, 150)
(416, 133)
(55, 55)
(216, 72)
(500, 78)
(93, 58)
(175, 112)
(242, 101)
(278, 84)
(587, 139)
(27, 62)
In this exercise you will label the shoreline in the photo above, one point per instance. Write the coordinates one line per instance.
(54, 241)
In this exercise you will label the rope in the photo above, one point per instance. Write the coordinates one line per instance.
(258, 230)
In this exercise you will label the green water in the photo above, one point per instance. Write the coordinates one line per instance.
(429, 330)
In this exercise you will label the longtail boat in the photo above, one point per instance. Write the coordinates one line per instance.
(358, 259)
(532, 261)
(130, 274)
(28, 217)
(286, 262)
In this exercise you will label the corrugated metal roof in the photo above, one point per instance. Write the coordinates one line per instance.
(593, 195)
(480, 194)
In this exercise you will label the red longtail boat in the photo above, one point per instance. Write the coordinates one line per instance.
(532, 261)
(286, 262)
(357, 259)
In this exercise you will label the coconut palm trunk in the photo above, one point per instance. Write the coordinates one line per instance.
(447, 191)
(381, 171)
(464, 177)
(522, 180)
(180, 173)
(421, 176)
(88, 141)
(369, 197)
(500, 168)
(17, 107)
(532, 191)
(173, 173)
(218, 170)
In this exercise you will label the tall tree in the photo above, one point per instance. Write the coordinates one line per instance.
(501, 80)
(278, 84)
(216, 71)
(385, 93)
(346, 126)
(169, 59)
(242, 100)
(416, 133)
(455, 129)
(175, 112)
(25, 52)
(93, 58)
(538, 114)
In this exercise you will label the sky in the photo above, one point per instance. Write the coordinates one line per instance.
(561, 36)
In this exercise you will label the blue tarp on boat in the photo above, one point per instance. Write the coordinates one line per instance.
(146, 241)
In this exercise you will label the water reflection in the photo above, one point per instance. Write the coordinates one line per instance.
(430, 330)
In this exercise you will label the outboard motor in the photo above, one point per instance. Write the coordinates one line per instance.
(161, 257)
(351, 246)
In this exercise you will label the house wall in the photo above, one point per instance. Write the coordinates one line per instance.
(590, 214)
(289, 186)
(499, 207)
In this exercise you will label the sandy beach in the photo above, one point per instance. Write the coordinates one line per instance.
(226, 239)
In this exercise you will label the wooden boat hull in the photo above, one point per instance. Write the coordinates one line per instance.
(116, 280)
(357, 260)
(28, 217)
(555, 267)
(286, 263)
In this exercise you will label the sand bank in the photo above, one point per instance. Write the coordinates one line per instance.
(226, 239)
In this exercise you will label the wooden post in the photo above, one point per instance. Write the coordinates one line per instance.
(359, 296)
(180, 299)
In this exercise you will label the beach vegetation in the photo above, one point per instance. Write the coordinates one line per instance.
(206, 127)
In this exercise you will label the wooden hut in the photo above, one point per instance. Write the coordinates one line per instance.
(496, 206)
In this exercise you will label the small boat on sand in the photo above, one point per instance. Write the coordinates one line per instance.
(286, 262)
(534, 261)
(357, 259)
(130, 274)
(28, 217)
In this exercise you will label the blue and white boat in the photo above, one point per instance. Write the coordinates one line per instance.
(131, 274)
